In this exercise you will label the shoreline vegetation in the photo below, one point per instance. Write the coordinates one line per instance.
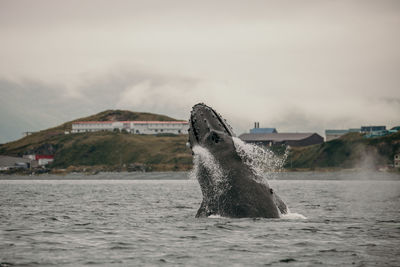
(95, 152)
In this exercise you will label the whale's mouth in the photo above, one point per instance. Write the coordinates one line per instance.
(223, 122)
(203, 121)
(193, 130)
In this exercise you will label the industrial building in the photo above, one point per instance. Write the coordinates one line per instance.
(134, 127)
(291, 139)
(270, 137)
(258, 130)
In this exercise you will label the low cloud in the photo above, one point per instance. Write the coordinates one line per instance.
(32, 105)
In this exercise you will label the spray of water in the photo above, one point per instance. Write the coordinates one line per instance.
(293, 216)
(203, 157)
(263, 162)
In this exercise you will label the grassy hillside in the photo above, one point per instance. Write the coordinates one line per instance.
(349, 151)
(38, 139)
(118, 150)
(106, 150)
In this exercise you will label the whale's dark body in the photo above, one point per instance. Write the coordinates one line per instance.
(238, 194)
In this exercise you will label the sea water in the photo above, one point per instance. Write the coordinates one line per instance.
(126, 219)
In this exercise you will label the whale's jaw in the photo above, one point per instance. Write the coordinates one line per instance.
(207, 126)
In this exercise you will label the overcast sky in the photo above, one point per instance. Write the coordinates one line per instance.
(299, 66)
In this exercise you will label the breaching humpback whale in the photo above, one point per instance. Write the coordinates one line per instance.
(234, 190)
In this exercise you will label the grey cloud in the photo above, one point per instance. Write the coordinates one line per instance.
(29, 106)
(139, 89)
(395, 101)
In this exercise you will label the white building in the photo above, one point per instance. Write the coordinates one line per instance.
(134, 127)
(94, 126)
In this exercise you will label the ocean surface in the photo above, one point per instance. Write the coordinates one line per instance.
(128, 219)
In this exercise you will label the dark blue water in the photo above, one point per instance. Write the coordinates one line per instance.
(113, 222)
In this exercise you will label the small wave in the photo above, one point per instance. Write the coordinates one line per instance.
(288, 216)
(215, 216)
(119, 247)
(293, 216)
(189, 237)
(287, 260)
(6, 264)
(182, 207)
(82, 224)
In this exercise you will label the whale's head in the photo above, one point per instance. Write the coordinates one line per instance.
(209, 130)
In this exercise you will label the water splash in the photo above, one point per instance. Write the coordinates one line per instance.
(293, 216)
(263, 162)
(215, 217)
(204, 159)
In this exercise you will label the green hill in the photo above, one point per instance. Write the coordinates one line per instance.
(350, 151)
(106, 150)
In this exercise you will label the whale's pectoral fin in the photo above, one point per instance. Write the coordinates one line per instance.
(280, 204)
(203, 211)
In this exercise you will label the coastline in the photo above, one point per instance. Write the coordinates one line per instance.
(316, 174)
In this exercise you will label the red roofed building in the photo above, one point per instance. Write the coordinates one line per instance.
(44, 159)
